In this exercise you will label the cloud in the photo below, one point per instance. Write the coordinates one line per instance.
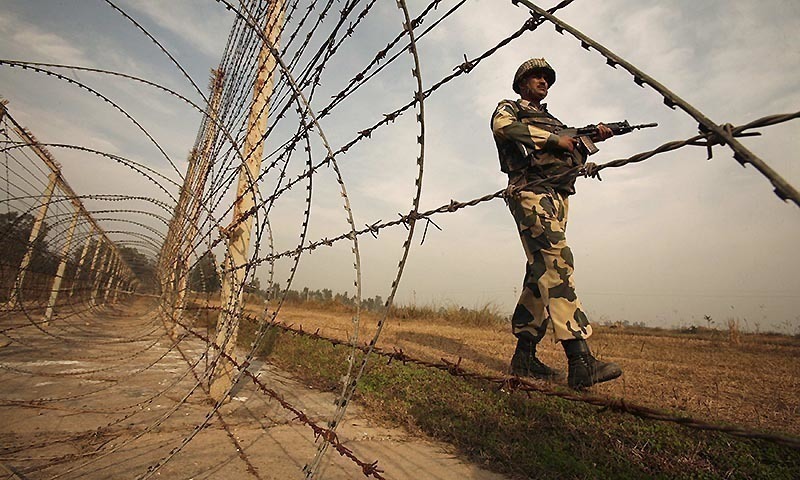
(199, 25)
(24, 40)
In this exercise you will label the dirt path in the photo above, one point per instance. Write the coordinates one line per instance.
(108, 395)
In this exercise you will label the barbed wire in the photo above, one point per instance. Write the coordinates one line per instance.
(327, 434)
(197, 214)
(389, 118)
(374, 228)
(720, 134)
(513, 383)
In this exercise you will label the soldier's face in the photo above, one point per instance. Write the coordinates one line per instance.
(535, 86)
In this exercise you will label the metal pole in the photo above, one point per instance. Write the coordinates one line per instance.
(170, 285)
(112, 274)
(239, 236)
(116, 290)
(179, 297)
(59, 181)
(100, 272)
(80, 262)
(112, 285)
(92, 264)
(48, 314)
(34, 235)
(199, 168)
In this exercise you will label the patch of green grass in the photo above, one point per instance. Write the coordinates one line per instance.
(535, 436)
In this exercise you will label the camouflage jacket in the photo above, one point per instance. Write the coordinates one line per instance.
(527, 147)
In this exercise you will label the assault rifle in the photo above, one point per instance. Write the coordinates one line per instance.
(584, 135)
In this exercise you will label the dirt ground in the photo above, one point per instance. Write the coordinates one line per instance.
(753, 383)
(108, 395)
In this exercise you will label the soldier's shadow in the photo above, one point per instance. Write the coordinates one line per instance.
(453, 349)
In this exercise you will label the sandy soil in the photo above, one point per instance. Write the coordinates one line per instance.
(108, 395)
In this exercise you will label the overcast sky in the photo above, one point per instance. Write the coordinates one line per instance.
(665, 242)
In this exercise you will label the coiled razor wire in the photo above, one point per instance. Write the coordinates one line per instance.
(194, 219)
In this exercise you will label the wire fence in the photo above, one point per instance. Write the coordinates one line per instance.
(206, 227)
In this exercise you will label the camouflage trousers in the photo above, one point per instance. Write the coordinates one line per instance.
(548, 296)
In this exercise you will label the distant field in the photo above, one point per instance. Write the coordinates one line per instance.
(753, 383)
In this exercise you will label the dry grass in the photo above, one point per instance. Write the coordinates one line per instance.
(752, 381)
(745, 379)
(734, 333)
(486, 316)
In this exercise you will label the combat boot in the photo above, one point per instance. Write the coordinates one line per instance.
(525, 364)
(584, 369)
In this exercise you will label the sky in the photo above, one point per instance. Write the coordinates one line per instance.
(665, 242)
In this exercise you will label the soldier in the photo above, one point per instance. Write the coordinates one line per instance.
(538, 162)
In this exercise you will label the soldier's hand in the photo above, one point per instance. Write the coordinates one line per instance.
(567, 143)
(603, 133)
(590, 169)
(511, 192)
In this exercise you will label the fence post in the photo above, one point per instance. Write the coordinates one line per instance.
(48, 314)
(80, 262)
(199, 169)
(55, 179)
(104, 261)
(117, 286)
(112, 274)
(239, 236)
(34, 235)
(91, 272)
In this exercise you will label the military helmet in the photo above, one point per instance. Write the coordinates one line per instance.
(530, 66)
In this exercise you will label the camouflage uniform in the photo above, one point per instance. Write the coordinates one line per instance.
(527, 150)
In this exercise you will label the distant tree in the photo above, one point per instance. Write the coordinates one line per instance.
(342, 299)
(15, 231)
(374, 304)
(254, 287)
(273, 291)
(203, 276)
(293, 296)
(141, 266)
